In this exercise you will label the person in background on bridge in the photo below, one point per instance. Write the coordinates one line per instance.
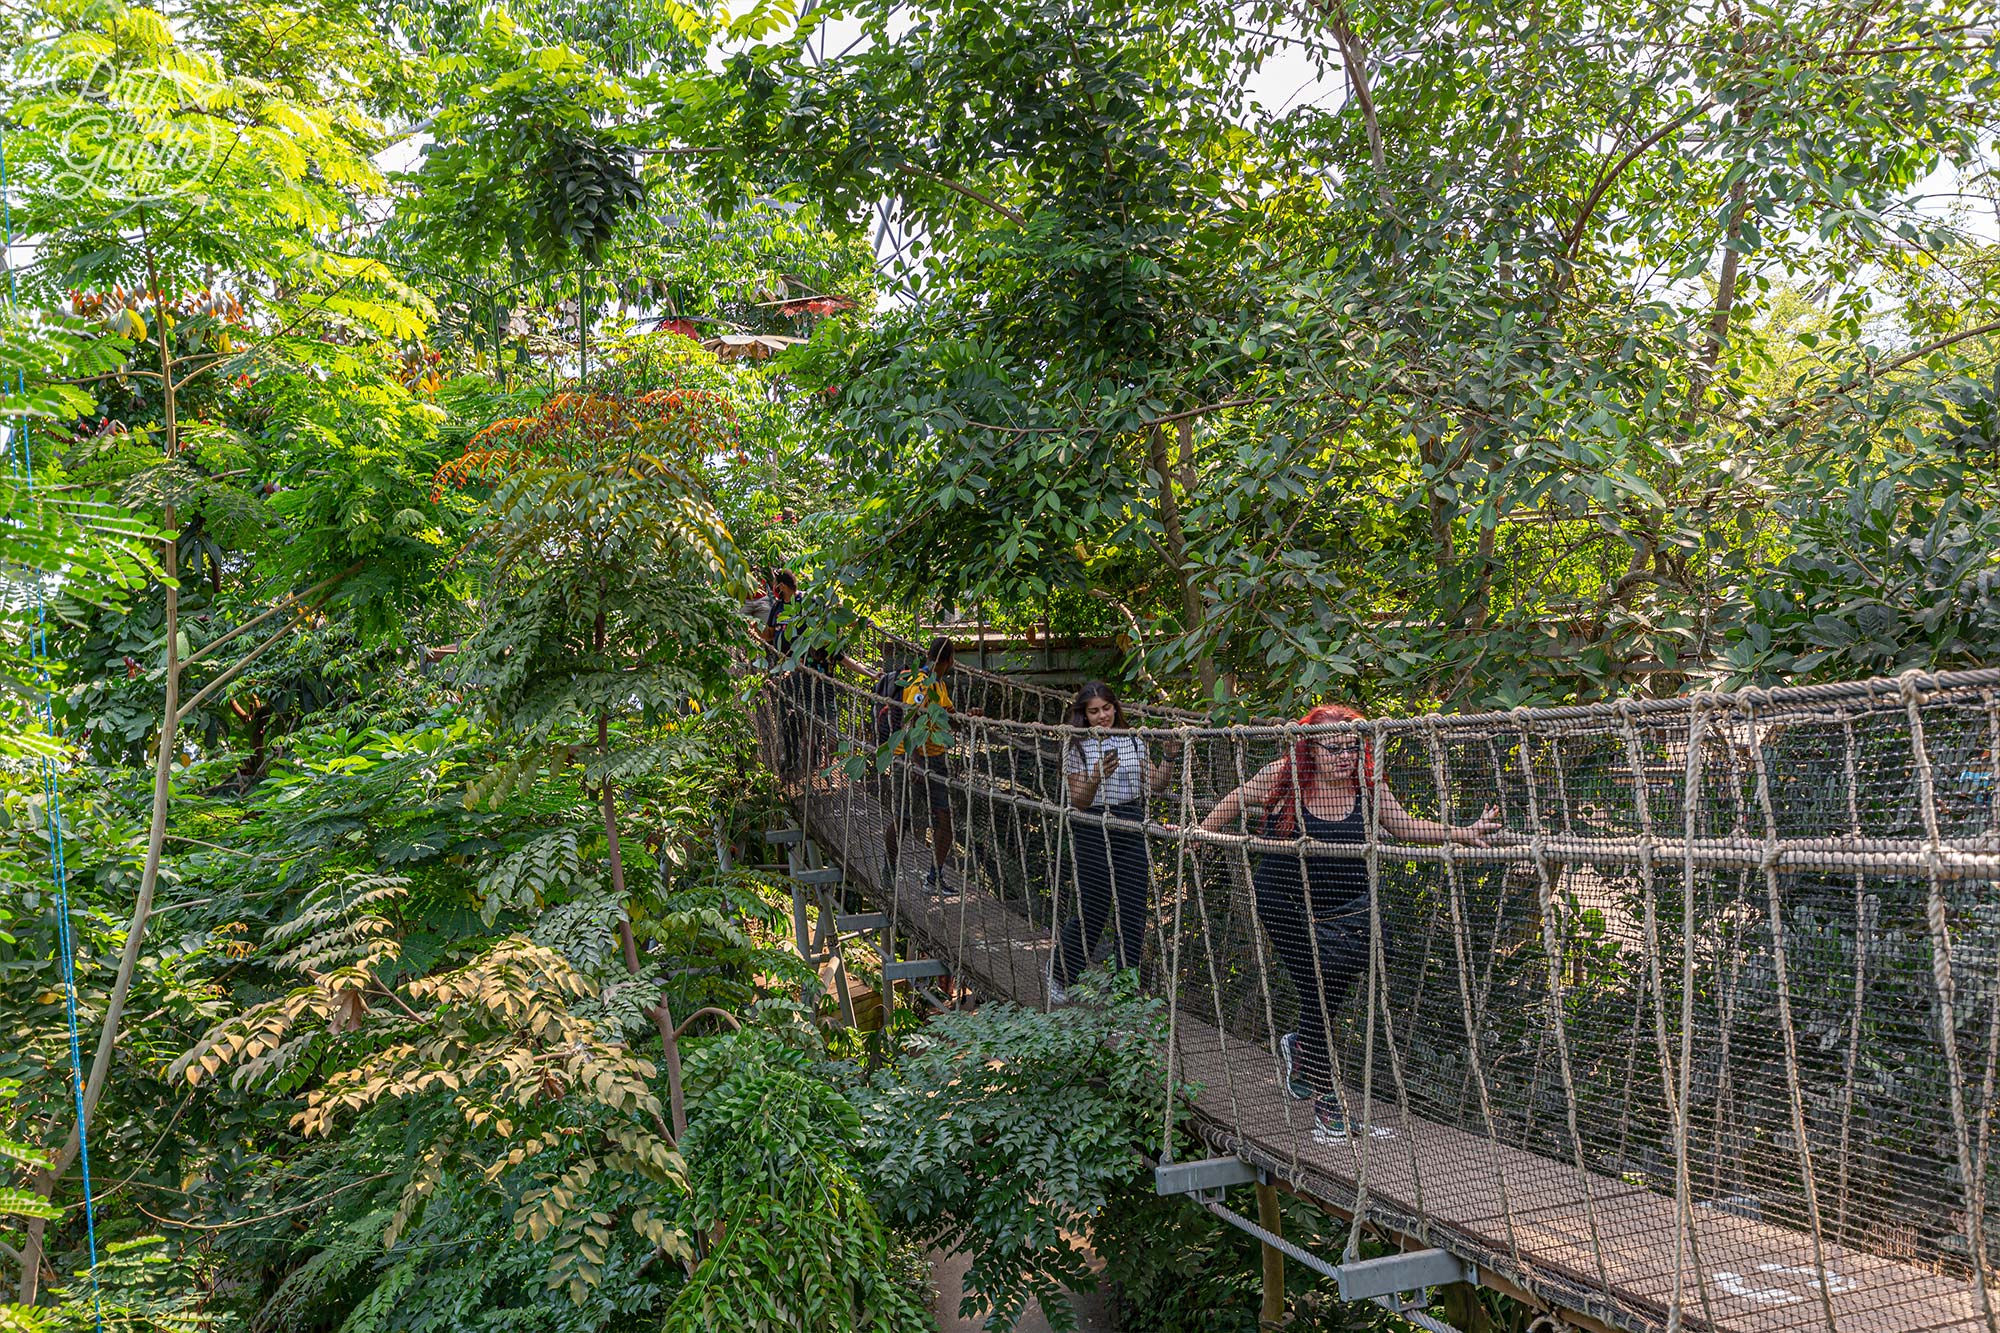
(1109, 776)
(1315, 908)
(795, 626)
(777, 632)
(780, 631)
(922, 687)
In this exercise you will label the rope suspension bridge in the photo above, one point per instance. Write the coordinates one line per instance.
(1705, 1035)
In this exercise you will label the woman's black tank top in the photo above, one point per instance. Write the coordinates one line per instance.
(1335, 881)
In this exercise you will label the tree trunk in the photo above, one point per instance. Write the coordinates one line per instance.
(1271, 1313)
(1725, 292)
(1174, 546)
(135, 937)
(1354, 61)
(628, 944)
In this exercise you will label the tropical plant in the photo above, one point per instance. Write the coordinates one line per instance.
(779, 1188)
(1438, 391)
(1004, 1134)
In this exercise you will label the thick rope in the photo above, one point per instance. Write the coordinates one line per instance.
(1367, 793)
(1193, 862)
(1947, 996)
(1980, 1159)
(1670, 1087)
(1725, 1119)
(1440, 771)
(1173, 975)
(1553, 950)
(1747, 707)
(1379, 962)
(1575, 832)
(1863, 921)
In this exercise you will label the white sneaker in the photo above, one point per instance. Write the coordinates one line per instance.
(1331, 1125)
(1058, 993)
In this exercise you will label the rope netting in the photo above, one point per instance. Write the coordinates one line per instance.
(1705, 1034)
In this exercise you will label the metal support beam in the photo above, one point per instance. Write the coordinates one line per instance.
(781, 836)
(829, 875)
(1380, 1280)
(1399, 1268)
(914, 970)
(801, 927)
(795, 863)
(1412, 1270)
(847, 925)
(1211, 1174)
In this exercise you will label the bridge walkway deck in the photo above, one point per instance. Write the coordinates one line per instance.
(1431, 1184)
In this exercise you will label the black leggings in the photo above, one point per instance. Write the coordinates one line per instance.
(1324, 959)
(1114, 877)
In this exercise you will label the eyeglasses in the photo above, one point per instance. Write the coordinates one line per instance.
(1339, 745)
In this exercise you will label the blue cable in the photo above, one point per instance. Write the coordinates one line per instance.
(22, 463)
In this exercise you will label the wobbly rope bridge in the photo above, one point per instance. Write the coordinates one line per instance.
(1707, 1036)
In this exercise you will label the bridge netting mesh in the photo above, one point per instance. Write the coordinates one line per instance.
(1705, 1035)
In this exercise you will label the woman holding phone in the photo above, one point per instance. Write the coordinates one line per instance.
(1110, 774)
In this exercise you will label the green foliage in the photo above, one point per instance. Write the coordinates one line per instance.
(14, 1201)
(1004, 1133)
(1432, 397)
(228, 155)
(428, 1089)
(1892, 564)
(777, 1186)
(518, 168)
(1593, 351)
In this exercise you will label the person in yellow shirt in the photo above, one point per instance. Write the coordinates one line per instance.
(922, 774)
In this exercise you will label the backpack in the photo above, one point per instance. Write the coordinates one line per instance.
(889, 704)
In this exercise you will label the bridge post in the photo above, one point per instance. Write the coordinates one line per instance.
(1272, 1314)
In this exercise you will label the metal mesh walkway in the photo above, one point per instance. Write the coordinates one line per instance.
(1705, 1036)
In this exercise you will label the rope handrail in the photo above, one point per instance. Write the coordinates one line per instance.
(1977, 856)
(1700, 1029)
(1191, 723)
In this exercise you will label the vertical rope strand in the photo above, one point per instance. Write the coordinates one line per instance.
(1947, 998)
(1862, 929)
(1173, 961)
(1553, 949)
(1440, 770)
(1787, 1032)
(1371, 828)
(1980, 1160)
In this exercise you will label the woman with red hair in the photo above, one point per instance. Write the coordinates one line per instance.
(1315, 906)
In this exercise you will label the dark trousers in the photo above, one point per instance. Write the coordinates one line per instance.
(792, 719)
(1323, 958)
(820, 722)
(1114, 879)
(915, 783)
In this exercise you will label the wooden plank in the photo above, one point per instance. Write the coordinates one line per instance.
(1755, 1277)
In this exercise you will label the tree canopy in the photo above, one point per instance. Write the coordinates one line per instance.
(403, 400)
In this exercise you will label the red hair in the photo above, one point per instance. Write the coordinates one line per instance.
(1298, 777)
